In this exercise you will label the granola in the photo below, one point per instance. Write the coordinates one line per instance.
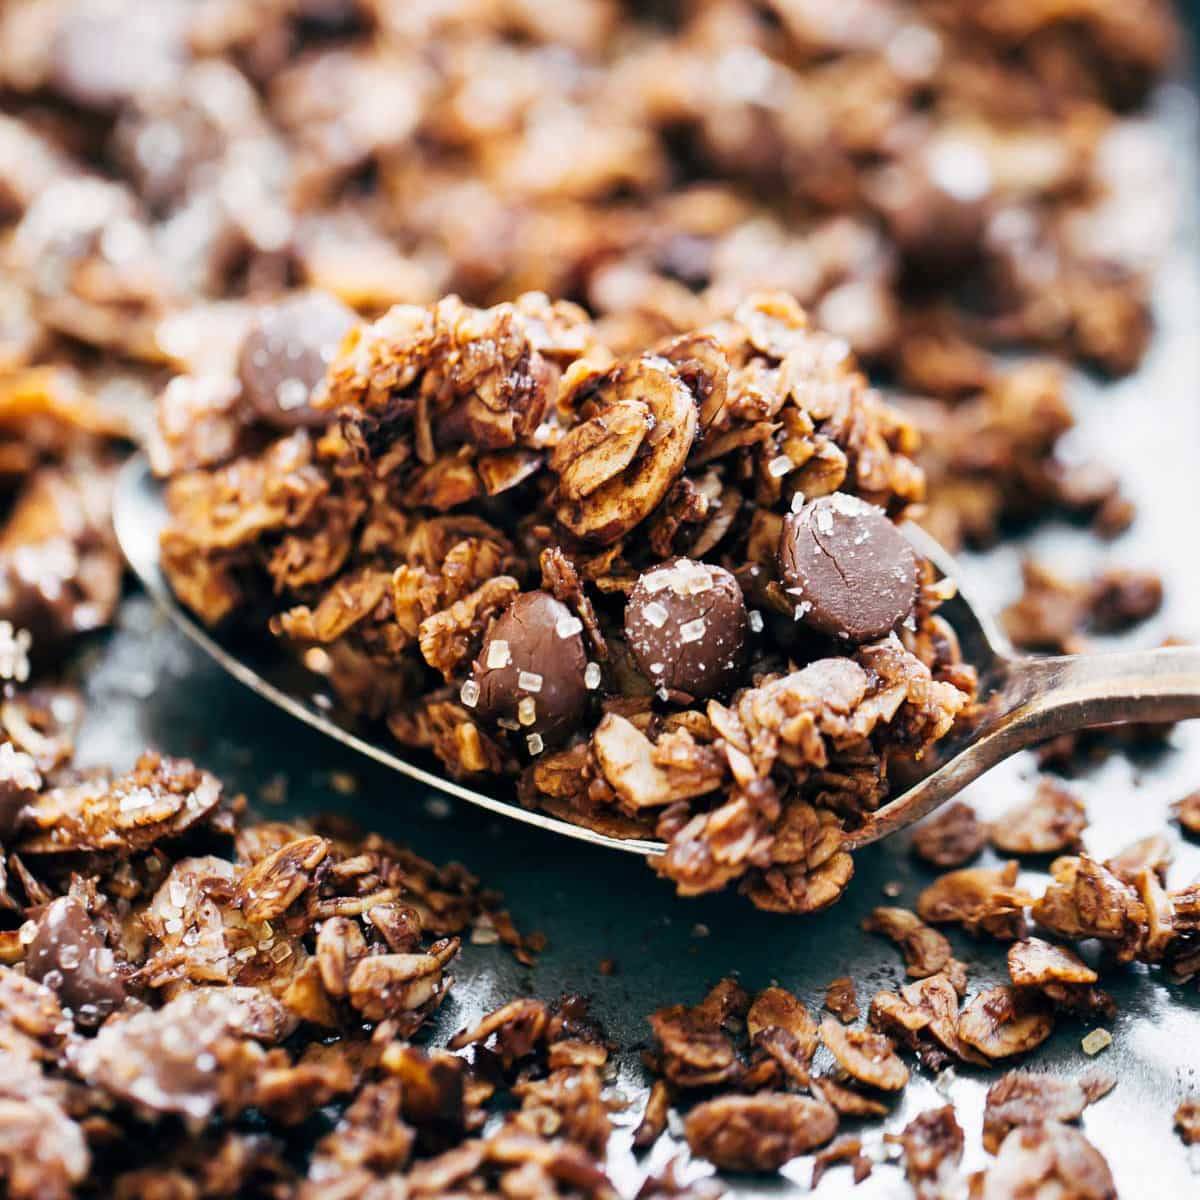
(744, 706)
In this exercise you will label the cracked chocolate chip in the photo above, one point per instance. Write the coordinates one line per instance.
(530, 674)
(685, 622)
(847, 569)
(284, 357)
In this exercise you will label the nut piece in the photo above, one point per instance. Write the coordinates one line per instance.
(758, 1133)
(686, 625)
(70, 957)
(284, 356)
(530, 671)
(869, 1057)
(616, 468)
(847, 569)
(1049, 823)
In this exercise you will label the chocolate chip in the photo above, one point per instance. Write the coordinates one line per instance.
(847, 568)
(285, 355)
(530, 676)
(686, 625)
(69, 956)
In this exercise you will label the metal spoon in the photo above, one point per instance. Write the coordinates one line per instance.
(1026, 700)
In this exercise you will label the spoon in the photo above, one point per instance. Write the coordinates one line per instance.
(1024, 700)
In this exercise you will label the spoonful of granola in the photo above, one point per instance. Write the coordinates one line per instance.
(663, 600)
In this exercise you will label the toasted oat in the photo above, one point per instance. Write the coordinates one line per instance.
(926, 951)
(868, 1057)
(1051, 822)
(932, 1143)
(1047, 1157)
(981, 899)
(950, 838)
(758, 1133)
(1030, 1098)
(999, 1023)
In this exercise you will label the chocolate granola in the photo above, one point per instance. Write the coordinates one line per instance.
(604, 577)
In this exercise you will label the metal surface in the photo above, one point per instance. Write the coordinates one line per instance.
(149, 685)
(1026, 700)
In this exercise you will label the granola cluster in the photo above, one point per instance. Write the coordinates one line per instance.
(186, 997)
(762, 1083)
(661, 590)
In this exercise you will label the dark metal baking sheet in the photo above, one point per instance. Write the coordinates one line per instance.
(149, 686)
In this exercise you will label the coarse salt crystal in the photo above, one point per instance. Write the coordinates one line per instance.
(178, 892)
(138, 798)
(174, 925)
(507, 723)
(1097, 1040)
(568, 627)
(779, 466)
(801, 610)
(591, 676)
(699, 583)
(656, 668)
(663, 694)
(693, 631)
(656, 581)
(756, 621)
(527, 711)
(656, 614)
(291, 394)
(469, 693)
(529, 681)
(797, 501)
(15, 645)
(535, 743)
(498, 655)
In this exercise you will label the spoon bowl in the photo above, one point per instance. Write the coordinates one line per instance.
(1024, 700)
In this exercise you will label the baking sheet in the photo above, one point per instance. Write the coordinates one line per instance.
(148, 686)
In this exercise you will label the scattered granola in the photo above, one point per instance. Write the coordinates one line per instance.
(1047, 1158)
(951, 837)
(1051, 822)
(1030, 1098)
(926, 951)
(841, 1000)
(932, 1143)
(1053, 612)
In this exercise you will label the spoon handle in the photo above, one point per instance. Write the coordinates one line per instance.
(1040, 698)
(1049, 696)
